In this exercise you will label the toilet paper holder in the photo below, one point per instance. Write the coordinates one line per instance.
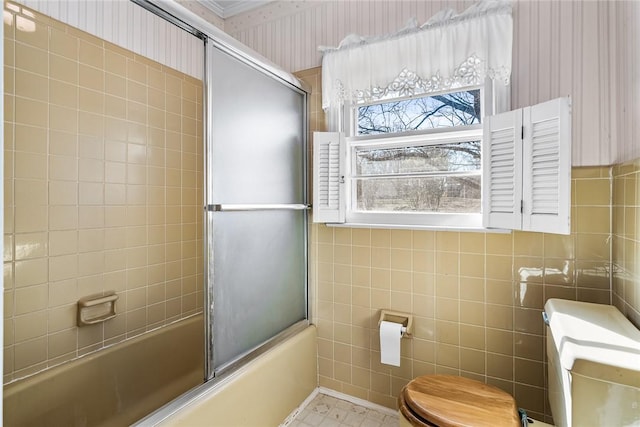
(398, 317)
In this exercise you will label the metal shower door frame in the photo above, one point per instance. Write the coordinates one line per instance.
(213, 37)
(295, 85)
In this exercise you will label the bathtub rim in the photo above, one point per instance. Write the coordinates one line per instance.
(229, 373)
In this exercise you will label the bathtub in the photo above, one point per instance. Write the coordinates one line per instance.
(113, 387)
(260, 393)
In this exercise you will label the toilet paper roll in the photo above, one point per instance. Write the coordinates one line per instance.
(390, 335)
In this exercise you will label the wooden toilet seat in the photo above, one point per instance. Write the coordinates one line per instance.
(451, 401)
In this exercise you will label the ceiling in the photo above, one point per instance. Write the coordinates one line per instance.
(228, 8)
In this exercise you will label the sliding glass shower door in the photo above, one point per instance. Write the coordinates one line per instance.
(256, 207)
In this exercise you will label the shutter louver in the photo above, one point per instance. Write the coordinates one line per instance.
(544, 167)
(501, 161)
(329, 169)
(328, 192)
(502, 171)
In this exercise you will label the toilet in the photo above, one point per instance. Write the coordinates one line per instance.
(447, 400)
(593, 353)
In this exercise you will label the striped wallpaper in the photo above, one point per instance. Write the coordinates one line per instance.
(586, 49)
(130, 26)
(626, 108)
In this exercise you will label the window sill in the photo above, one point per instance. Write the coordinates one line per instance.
(420, 227)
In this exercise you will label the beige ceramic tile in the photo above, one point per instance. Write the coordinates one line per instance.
(30, 245)
(381, 238)
(500, 366)
(447, 263)
(499, 316)
(499, 267)
(528, 321)
(63, 69)
(559, 246)
(499, 243)
(473, 289)
(472, 360)
(593, 246)
(30, 272)
(592, 192)
(91, 54)
(401, 239)
(30, 326)
(528, 346)
(448, 355)
(528, 269)
(65, 215)
(62, 343)
(532, 397)
(447, 241)
(31, 112)
(401, 259)
(30, 193)
(472, 313)
(447, 286)
(63, 44)
(472, 243)
(499, 341)
(30, 59)
(472, 265)
(447, 332)
(30, 299)
(401, 281)
(32, 86)
(30, 353)
(447, 309)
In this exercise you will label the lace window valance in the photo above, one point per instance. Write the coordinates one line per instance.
(448, 51)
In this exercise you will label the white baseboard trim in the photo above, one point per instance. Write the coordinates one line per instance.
(357, 401)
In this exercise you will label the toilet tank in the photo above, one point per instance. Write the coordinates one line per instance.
(593, 364)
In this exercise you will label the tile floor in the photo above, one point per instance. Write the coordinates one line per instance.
(328, 411)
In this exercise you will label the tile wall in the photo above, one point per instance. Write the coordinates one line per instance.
(476, 297)
(626, 243)
(103, 180)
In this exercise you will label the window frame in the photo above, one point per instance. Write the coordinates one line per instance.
(436, 136)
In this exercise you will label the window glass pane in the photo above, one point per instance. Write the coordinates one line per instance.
(445, 194)
(458, 157)
(430, 112)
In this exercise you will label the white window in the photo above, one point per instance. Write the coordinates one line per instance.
(416, 160)
(433, 177)
(409, 160)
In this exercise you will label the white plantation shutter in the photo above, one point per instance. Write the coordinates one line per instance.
(547, 167)
(526, 175)
(502, 170)
(328, 177)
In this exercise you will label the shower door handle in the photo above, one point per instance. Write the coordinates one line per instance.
(257, 207)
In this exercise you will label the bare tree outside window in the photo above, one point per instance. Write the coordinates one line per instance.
(431, 112)
(433, 178)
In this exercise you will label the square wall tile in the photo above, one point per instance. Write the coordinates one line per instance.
(84, 211)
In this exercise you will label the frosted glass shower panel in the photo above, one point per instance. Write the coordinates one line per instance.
(256, 203)
(259, 271)
(257, 125)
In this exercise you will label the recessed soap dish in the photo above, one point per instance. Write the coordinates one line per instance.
(97, 308)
